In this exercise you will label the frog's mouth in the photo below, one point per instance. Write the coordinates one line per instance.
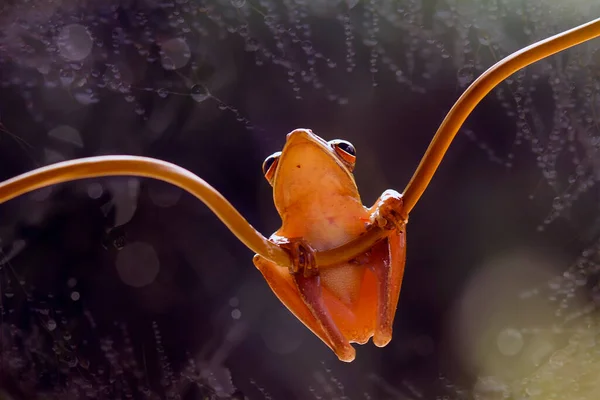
(309, 171)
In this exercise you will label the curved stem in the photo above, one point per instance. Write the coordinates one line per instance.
(94, 167)
(478, 90)
(352, 248)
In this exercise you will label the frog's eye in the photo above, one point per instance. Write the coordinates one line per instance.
(270, 165)
(346, 151)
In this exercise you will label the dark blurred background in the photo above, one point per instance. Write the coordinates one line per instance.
(127, 288)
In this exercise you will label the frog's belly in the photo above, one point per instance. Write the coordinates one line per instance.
(343, 281)
(350, 292)
(326, 228)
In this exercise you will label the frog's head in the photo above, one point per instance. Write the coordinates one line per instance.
(309, 170)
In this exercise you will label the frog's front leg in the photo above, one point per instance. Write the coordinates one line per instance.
(300, 290)
(301, 253)
(388, 213)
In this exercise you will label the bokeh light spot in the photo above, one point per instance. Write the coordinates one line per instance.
(137, 264)
(95, 190)
(74, 42)
(175, 53)
(509, 342)
(67, 134)
(164, 194)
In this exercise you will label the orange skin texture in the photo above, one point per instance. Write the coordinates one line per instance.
(318, 201)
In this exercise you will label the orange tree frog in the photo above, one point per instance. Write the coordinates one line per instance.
(320, 207)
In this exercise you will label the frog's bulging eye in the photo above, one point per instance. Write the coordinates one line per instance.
(346, 151)
(270, 165)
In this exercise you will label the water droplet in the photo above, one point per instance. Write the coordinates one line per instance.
(51, 324)
(199, 93)
(252, 45)
(465, 75)
(66, 77)
(162, 92)
(86, 97)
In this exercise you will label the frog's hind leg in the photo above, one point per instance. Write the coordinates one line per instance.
(389, 269)
(388, 259)
(303, 296)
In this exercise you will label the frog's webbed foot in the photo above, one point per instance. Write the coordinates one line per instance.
(301, 253)
(388, 212)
